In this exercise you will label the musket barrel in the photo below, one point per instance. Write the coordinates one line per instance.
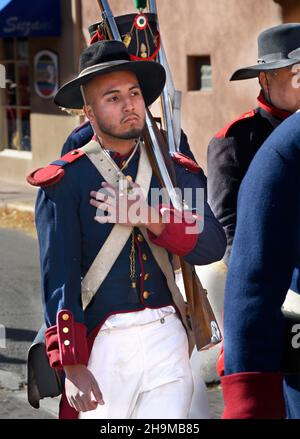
(204, 324)
(176, 201)
(108, 16)
(168, 94)
(115, 34)
(152, 6)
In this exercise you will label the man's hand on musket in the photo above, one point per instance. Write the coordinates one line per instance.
(126, 205)
(82, 390)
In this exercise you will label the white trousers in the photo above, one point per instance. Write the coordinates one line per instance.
(143, 371)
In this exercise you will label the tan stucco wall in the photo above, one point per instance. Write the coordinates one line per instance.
(49, 131)
(224, 29)
(48, 136)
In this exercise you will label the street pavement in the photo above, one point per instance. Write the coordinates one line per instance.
(21, 311)
(14, 405)
(21, 314)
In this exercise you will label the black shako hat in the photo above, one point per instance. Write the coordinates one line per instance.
(274, 46)
(139, 33)
(106, 57)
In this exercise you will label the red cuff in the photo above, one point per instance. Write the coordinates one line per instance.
(66, 342)
(254, 395)
(180, 234)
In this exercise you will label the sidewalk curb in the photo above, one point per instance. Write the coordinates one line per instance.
(20, 206)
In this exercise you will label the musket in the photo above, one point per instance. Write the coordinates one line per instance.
(201, 316)
(114, 34)
(171, 98)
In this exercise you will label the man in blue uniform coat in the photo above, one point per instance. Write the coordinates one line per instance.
(124, 345)
(264, 264)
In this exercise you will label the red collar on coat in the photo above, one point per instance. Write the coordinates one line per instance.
(279, 114)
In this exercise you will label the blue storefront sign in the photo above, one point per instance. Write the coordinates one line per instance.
(29, 18)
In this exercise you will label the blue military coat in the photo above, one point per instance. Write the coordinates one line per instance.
(70, 239)
(264, 263)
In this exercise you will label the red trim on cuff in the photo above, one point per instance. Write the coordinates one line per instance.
(52, 348)
(186, 162)
(66, 342)
(175, 237)
(255, 395)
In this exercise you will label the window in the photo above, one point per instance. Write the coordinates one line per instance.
(15, 97)
(199, 73)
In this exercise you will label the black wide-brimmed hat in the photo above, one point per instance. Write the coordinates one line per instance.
(106, 57)
(274, 46)
(295, 54)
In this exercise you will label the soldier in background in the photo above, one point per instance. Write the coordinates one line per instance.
(232, 148)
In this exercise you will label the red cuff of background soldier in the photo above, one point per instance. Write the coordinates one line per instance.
(66, 342)
(220, 362)
(181, 231)
(253, 395)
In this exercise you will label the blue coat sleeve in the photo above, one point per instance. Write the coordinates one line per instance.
(58, 228)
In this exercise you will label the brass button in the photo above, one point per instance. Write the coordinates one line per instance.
(74, 152)
(144, 256)
(140, 238)
(67, 342)
(65, 330)
(65, 317)
(146, 276)
(129, 178)
(146, 294)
